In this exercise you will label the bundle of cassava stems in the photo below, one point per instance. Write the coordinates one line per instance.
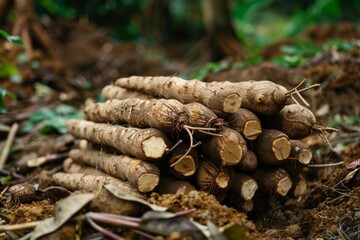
(238, 141)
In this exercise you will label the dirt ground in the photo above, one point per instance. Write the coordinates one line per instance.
(329, 210)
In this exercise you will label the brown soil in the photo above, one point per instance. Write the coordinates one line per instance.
(207, 208)
(29, 212)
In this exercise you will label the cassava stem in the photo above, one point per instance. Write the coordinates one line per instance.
(147, 144)
(142, 175)
(170, 185)
(249, 163)
(272, 180)
(229, 148)
(272, 147)
(114, 92)
(243, 186)
(218, 99)
(246, 123)
(186, 167)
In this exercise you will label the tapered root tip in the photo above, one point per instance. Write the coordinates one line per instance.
(154, 147)
(147, 182)
(232, 103)
(283, 186)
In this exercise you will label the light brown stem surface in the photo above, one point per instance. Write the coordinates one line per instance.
(7, 145)
(272, 147)
(144, 176)
(229, 149)
(114, 92)
(216, 98)
(148, 144)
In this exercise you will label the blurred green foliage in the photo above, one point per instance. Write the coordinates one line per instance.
(257, 22)
(5, 93)
(302, 52)
(52, 119)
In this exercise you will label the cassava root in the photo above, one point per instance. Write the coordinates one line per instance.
(220, 100)
(148, 144)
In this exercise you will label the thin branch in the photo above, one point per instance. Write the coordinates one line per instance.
(8, 143)
(103, 230)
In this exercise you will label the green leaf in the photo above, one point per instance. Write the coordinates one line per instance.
(13, 39)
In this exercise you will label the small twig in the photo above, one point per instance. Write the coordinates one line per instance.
(20, 226)
(325, 164)
(114, 216)
(190, 147)
(111, 220)
(103, 230)
(144, 234)
(175, 146)
(10, 173)
(8, 143)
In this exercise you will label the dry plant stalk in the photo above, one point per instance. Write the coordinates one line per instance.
(147, 144)
(170, 185)
(142, 175)
(213, 178)
(299, 187)
(249, 163)
(272, 147)
(114, 92)
(220, 100)
(186, 167)
(246, 123)
(243, 186)
(272, 181)
(229, 148)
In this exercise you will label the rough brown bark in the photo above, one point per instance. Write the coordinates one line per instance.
(249, 163)
(214, 178)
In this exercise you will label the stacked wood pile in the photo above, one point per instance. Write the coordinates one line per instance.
(238, 141)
